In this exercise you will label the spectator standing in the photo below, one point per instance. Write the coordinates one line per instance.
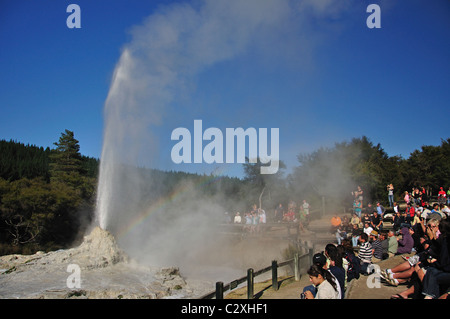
(357, 207)
(442, 196)
(390, 189)
(448, 196)
(279, 213)
(306, 208)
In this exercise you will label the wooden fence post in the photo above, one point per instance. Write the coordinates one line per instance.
(274, 275)
(219, 290)
(311, 255)
(323, 206)
(250, 283)
(296, 267)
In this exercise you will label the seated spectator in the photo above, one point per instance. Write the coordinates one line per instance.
(353, 262)
(365, 253)
(416, 218)
(393, 243)
(356, 232)
(340, 234)
(323, 281)
(383, 236)
(406, 243)
(376, 221)
(400, 273)
(410, 212)
(377, 254)
(435, 213)
(335, 223)
(355, 220)
(401, 222)
(426, 211)
(445, 211)
(380, 210)
(396, 208)
(397, 221)
(436, 281)
(367, 229)
(345, 224)
(310, 292)
(369, 209)
(366, 219)
(436, 256)
(335, 265)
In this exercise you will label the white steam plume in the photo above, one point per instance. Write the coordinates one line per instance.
(159, 66)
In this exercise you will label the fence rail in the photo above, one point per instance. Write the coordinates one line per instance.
(251, 274)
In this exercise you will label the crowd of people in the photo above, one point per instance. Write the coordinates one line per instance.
(419, 232)
(253, 221)
(425, 270)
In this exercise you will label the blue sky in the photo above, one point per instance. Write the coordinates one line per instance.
(323, 79)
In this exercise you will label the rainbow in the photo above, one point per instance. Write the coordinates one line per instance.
(164, 201)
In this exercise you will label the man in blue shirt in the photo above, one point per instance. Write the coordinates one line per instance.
(380, 209)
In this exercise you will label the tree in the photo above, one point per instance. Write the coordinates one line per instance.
(271, 186)
(66, 163)
(335, 172)
(429, 167)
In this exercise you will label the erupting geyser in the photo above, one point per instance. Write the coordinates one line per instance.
(157, 71)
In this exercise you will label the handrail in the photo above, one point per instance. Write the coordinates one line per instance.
(221, 288)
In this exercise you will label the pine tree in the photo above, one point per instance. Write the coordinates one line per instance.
(66, 161)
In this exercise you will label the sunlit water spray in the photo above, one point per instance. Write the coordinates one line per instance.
(164, 57)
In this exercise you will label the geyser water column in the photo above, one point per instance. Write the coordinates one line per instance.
(157, 69)
(164, 56)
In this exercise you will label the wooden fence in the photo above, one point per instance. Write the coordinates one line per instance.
(298, 263)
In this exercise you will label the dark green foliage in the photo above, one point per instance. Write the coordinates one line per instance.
(337, 171)
(47, 196)
(23, 161)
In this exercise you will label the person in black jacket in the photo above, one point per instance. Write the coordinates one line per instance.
(436, 281)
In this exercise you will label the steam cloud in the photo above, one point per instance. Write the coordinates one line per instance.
(159, 67)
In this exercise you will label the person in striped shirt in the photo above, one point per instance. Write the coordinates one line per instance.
(365, 252)
(376, 246)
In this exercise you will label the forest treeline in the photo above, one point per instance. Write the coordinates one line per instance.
(47, 196)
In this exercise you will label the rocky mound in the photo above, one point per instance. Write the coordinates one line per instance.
(103, 269)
